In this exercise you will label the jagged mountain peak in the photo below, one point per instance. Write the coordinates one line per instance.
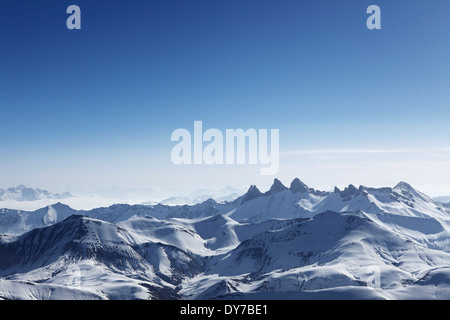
(349, 191)
(298, 186)
(252, 193)
(276, 187)
(253, 188)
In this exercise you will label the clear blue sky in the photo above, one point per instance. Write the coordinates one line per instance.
(95, 107)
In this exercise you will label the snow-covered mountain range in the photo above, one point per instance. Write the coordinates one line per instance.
(288, 242)
(30, 199)
(442, 199)
(23, 193)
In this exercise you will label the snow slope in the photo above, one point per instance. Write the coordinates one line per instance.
(97, 259)
(329, 253)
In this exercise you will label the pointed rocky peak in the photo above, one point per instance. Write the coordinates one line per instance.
(403, 186)
(57, 207)
(252, 193)
(336, 190)
(298, 186)
(276, 187)
(253, 188)
(349, 191)
(60, 206)
(210, 201)
(406, 190)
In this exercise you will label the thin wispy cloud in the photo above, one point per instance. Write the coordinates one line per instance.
(363, 151)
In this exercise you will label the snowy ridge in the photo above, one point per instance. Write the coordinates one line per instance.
(297, 201)
(18, 222)
(288, 242)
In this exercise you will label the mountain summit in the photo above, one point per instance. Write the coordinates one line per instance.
(276, 187)
(298, 186)
(252, 193)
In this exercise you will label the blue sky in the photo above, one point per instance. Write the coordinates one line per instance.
(96, 107)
